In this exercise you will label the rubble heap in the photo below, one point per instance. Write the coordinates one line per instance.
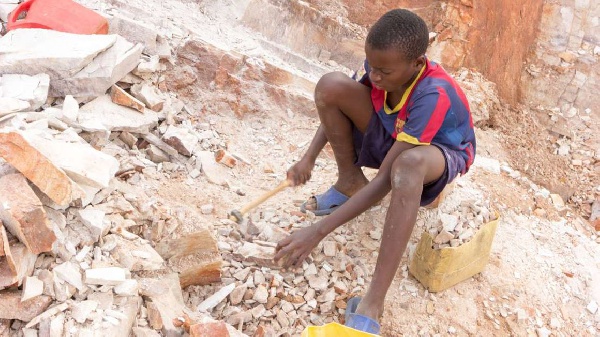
(84, 249)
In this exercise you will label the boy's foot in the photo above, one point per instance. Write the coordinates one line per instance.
(326, 203)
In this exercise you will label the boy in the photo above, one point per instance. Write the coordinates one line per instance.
(405, 116)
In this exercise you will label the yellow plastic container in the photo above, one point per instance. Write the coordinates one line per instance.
(334, 330)
(440, 269)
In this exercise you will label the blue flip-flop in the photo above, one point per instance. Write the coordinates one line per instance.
(327, 202)
(357, 321)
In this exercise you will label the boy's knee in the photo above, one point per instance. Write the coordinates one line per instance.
(408, 169)
(329, 88)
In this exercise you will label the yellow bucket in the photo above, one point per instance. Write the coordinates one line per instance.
(334, 330)
(439, 269)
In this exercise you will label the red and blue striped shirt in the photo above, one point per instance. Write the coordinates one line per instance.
(434, 109)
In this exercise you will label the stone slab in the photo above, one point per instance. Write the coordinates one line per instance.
(103, 113)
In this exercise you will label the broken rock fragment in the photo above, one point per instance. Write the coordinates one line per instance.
(23, 214)
(149, 95)
(181, 139)
(103, 113)
(17, 263)
(36, 167)
(121, 97)
(13, 308)
(83, 66)
(30, 89)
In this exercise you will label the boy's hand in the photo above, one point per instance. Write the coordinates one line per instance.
(300, 172)
(295, 248)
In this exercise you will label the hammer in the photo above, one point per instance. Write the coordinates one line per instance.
(238, 216)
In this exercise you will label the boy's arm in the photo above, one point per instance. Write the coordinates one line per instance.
(294, 249)
(366, 197)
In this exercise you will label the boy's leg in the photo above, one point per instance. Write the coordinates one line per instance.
(342, 102)
(410, 171)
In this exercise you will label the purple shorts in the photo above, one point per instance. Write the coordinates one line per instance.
(372, 147)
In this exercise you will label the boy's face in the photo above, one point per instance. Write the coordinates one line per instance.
(390, 70)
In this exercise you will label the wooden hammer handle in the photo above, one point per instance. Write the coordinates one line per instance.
(283, 185)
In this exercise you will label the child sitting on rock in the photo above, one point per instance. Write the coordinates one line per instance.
(401, 113)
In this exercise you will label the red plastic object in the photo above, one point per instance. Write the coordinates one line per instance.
(60, 15)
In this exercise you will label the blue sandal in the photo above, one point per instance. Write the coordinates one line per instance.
(327, 202)
(359, 322)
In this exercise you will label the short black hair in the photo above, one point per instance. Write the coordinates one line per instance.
(402, 30)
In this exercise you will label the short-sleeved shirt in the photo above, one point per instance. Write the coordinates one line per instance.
(433, 110)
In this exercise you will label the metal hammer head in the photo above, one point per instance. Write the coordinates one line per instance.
(236, 216)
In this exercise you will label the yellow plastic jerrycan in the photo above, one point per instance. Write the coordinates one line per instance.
(334, 330)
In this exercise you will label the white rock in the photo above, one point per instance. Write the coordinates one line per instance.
(102, 114)
(31, 89)
(94, 220)
(487, 164)
(11, 105)
(70, 109)
(261, 294)
(216, 298)
(148, 66)
(134, 31)
(69, 272)
(592, 307)
(149, 95)
(443, 237)
(181, 139)
(207, 209)
(543, 332)
(5, 9)
(318, 282)
(82, 310)
(127, 288)
(83, 66)
(329, 248)
(214, 173)
(449, 222)
(106, 276)
(32, 287)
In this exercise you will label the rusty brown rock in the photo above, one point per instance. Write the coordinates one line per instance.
(225, 158)
(210, 329)
(50, 179)
(13, 308)
(201, 274)
(17, 263)
(121, 97)
(23, 214)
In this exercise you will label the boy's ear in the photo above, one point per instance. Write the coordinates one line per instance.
(420, 61)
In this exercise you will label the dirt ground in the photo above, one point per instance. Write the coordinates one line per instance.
(542, 273)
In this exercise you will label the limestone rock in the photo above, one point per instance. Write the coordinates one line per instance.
(214, 173)
(31, 89)
(102, 114)
(32, 287)
(261, 255)
(81, 162)
(94, 220)
(70, 273)
(134, 31)
(149, 95)
(36, 167)
(181, 139)
(106, 276)
(84, 65)
(166, 296)
(82, 310)
(209, 303)
(135, 255)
